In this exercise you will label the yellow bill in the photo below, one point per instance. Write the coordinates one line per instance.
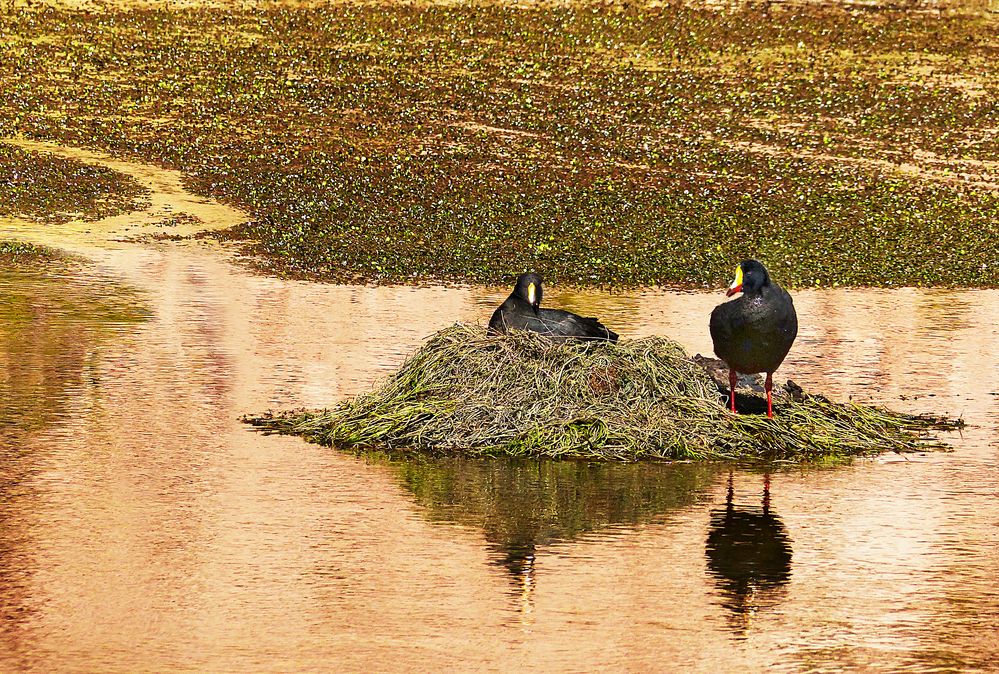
(737, 283)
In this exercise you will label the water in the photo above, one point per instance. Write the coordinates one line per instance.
(143, 528)
(146, 529)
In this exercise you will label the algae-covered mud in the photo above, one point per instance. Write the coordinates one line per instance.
(166, 210)
(54, 190)
(616, 145)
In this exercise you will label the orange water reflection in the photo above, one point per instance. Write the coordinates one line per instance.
(145, 529)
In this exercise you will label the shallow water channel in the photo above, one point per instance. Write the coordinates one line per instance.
(146, 529)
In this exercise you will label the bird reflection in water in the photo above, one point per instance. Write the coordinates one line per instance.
(518, 558)
(528, 509)
(749, 554)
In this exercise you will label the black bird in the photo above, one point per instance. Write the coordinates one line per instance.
(521, 311)
(754, 332)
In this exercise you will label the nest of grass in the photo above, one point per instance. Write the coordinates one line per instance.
(465, 391)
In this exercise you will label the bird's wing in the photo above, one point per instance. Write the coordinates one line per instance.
(496, 323)
(725, 320)
(567, 324)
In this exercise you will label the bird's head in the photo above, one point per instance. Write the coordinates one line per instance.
(750, 276)
(529, 288)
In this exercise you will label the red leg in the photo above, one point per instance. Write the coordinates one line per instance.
(733, 378)
(769, 386)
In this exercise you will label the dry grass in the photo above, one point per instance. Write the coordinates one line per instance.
(468, 392)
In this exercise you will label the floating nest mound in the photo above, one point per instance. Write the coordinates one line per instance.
(465, 391)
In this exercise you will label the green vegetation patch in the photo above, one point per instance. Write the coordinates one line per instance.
(597, 144)
(54, 190)
(16, 253)
(468, 392)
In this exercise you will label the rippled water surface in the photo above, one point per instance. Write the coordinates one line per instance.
(145, 529)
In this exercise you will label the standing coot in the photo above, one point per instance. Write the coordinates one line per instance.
(754, 332)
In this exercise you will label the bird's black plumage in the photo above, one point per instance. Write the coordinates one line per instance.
(754, 333)
(522, 311)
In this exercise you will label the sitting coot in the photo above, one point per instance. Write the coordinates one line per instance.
(521, 311)
(754, 332)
